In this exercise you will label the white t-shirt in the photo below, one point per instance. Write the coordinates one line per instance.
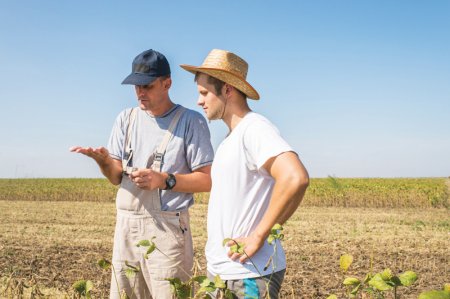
(240, 194)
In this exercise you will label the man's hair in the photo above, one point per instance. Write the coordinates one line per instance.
(218, 84)
(164, 77)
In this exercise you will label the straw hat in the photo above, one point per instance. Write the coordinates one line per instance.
(227, 67)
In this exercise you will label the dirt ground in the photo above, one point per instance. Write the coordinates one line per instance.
(57, 243)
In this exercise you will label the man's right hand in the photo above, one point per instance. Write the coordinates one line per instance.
(99, 154)
(111, 168)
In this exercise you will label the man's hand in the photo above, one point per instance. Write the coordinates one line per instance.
(148, 179)
(111, 168)
(251, 246)
(99, 154)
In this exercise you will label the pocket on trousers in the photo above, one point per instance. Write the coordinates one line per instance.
(169, 241)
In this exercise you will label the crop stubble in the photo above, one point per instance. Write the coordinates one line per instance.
(59, 242)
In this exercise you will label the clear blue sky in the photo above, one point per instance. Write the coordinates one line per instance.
(358, 88)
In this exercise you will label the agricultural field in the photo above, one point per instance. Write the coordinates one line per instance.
(53, 232)
(322, 192)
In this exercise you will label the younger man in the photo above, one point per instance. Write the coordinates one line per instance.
(257, 179)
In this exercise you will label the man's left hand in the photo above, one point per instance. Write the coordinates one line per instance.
(251, 245)
(148, 179)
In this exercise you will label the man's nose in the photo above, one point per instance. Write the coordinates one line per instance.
(139, 90)
(200, 101)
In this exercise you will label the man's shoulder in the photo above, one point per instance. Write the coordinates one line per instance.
(257, 122)
(124, 114)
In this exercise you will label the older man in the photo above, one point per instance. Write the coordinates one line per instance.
(159, 153)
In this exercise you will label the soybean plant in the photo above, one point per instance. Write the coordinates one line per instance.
(374, 284)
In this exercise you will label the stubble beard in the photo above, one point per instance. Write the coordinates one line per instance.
(217, 114)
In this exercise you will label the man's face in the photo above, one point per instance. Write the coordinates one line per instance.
(213, 105)
(149, 96)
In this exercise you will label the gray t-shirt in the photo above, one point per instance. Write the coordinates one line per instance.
(189, 149)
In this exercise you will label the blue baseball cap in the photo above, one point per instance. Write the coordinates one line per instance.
(147, 67)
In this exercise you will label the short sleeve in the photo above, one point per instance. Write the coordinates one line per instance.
(199, 151)
(117, 137)
(262, 141)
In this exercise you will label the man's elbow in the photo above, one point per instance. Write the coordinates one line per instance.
(115, 180)
(206, 186)
(300, 180)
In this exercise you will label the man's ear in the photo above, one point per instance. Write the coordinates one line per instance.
(167, 83)
(227, 89)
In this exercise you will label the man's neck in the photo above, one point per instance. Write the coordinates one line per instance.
(235, 117)
(160, 109)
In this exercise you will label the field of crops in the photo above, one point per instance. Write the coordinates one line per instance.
(329, 192)
(53, 232)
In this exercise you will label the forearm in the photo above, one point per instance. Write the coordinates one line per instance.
(292, 205)
(193, 182)
(286, 197)
(291, 181)
(112, 170)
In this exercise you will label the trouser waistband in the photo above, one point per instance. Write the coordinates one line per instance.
(151, 213)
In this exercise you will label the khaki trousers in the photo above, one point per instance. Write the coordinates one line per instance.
(172, 237)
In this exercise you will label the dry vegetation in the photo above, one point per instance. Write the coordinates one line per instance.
(331, 192)
(53, 243)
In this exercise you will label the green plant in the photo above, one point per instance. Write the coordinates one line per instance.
(437, 294)
(130, 273)
(83, 288)
(275, 234)
(374, 284)
(184, 289)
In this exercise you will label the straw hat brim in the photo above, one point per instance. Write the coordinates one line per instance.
(227, 77)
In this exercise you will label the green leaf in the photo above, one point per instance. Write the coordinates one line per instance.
(150, 249)
(367, 278)
(183, 291)
(131, 266)
(130, 273)
(124, 295)
(173, 281)
(395, 281)
(104, 264)
(80, 286)
(219, 283)
(277, 226)
(225, 241)
(434, 295)
(332, 296)
(206, 283)
(199, 279)
(241, 248)
(228, 294)
(207, 289)
(407, 278)
(351, 281)
(355, 290)
(378, 283)
(89, 286)
(270, 239)
(144, 243)
(345, 261)
(386, 274)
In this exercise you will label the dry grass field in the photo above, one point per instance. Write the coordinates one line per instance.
(53, 243)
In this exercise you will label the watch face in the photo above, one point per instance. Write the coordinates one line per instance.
(171, 181)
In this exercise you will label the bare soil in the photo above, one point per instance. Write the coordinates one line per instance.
(57, 243)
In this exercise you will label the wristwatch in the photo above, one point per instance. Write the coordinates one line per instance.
(170, 182)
